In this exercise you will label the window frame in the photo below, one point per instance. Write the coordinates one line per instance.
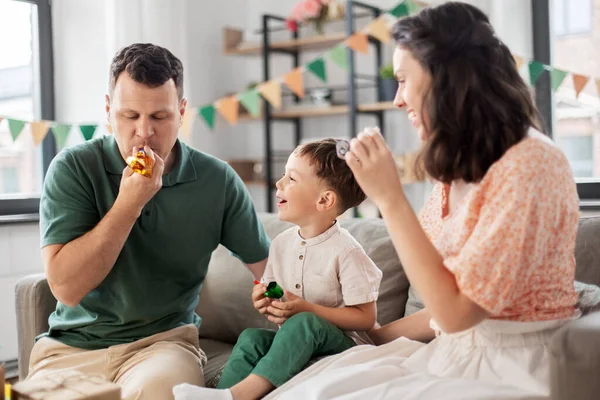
(17, 207)
(588, 189)
(568, 32)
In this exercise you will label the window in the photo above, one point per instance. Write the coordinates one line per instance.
(573, 119)
(572, 17)
(26, 93)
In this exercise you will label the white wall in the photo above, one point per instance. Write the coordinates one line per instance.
(87, 33)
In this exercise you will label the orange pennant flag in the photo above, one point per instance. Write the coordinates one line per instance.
(579, 82)
(380, 30)
(359, 42)
(229, 108)
(519, 60)
(39, 131)
(188, 122)
(271, 91)
(295, 81)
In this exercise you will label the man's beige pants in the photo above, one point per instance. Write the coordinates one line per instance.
(146, 369)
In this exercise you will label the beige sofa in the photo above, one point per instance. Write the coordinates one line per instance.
(226, 309)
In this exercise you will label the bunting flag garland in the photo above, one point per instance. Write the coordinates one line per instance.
(61, 133)
(295, 82)
(359, 42)
(317, 67)
(339, 56)
(229, 107)
(208, 114)
(579, 82)
(379, 30)
(15, 126)
(271, 91)
(536, 69)
(39, 131)
(250, 99)
(88, 131)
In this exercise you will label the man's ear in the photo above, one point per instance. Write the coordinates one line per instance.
(107, 107)
(182, 108)
(327, 200)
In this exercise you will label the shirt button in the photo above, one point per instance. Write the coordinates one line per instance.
(298, 286)
(301, 257)
(303, 243)
(146, 213)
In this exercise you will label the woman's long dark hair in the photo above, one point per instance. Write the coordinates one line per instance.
(478, 105)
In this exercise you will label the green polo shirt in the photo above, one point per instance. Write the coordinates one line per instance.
(154, 284)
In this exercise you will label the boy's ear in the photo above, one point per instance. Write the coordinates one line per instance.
(327, 200)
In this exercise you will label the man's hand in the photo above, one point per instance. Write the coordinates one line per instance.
(136, 190)
(260, 302)
(280, 311)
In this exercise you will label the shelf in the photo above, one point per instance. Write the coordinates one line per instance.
(234, 45)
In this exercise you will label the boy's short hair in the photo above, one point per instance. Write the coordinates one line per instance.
(322, 154)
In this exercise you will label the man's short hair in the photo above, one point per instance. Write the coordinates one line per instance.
(148, 64)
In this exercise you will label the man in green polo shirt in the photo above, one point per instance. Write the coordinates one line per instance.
(126, 254)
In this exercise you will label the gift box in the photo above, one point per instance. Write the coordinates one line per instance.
(66, 385)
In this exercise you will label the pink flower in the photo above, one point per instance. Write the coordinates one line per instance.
(291, 25)
(312, 8)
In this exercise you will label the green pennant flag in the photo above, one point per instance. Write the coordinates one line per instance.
(250, 99)
(87, 131)
(557, 76)
(413, 7)
(317, 67)
(15, 126)
(208, 114)
(339, 56)
(401, 10)
(61, 133)
(535, 71)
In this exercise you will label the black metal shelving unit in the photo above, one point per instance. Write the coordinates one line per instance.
(353, 111)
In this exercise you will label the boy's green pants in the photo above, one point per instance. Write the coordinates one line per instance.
(279, 355)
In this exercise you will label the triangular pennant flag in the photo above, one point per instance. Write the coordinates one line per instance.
(229, 108)
(250, 99)
(359, 42)
(208, 115)
(295, 82)
(61, 133)
(39, 131)
(87, 131)
(579, 82)
(109, 129)
(271, 91)
(413, 7)
(317, 67)
(188, 121)
(15, 126)
(535, 70)
(401, 10)
(519, 61)
(380, 30)
(557, 76)
(339, 55)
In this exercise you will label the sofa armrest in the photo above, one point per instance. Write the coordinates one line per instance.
(34, 303)
(575, 360)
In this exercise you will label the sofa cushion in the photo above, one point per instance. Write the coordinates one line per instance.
(225, 306)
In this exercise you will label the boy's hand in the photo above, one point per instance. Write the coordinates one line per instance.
(259, 300)
(280, 311)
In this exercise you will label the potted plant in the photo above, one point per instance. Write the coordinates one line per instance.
(387, 83)
(316, 12)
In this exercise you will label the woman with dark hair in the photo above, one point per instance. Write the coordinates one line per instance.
(492, 252)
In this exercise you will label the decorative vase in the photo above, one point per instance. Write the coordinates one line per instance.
(388, 88)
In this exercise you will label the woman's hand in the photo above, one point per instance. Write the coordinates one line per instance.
(374, 168)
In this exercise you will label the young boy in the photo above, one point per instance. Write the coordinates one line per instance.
(330, 284)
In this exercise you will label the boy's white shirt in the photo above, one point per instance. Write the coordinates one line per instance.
(331, 270)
